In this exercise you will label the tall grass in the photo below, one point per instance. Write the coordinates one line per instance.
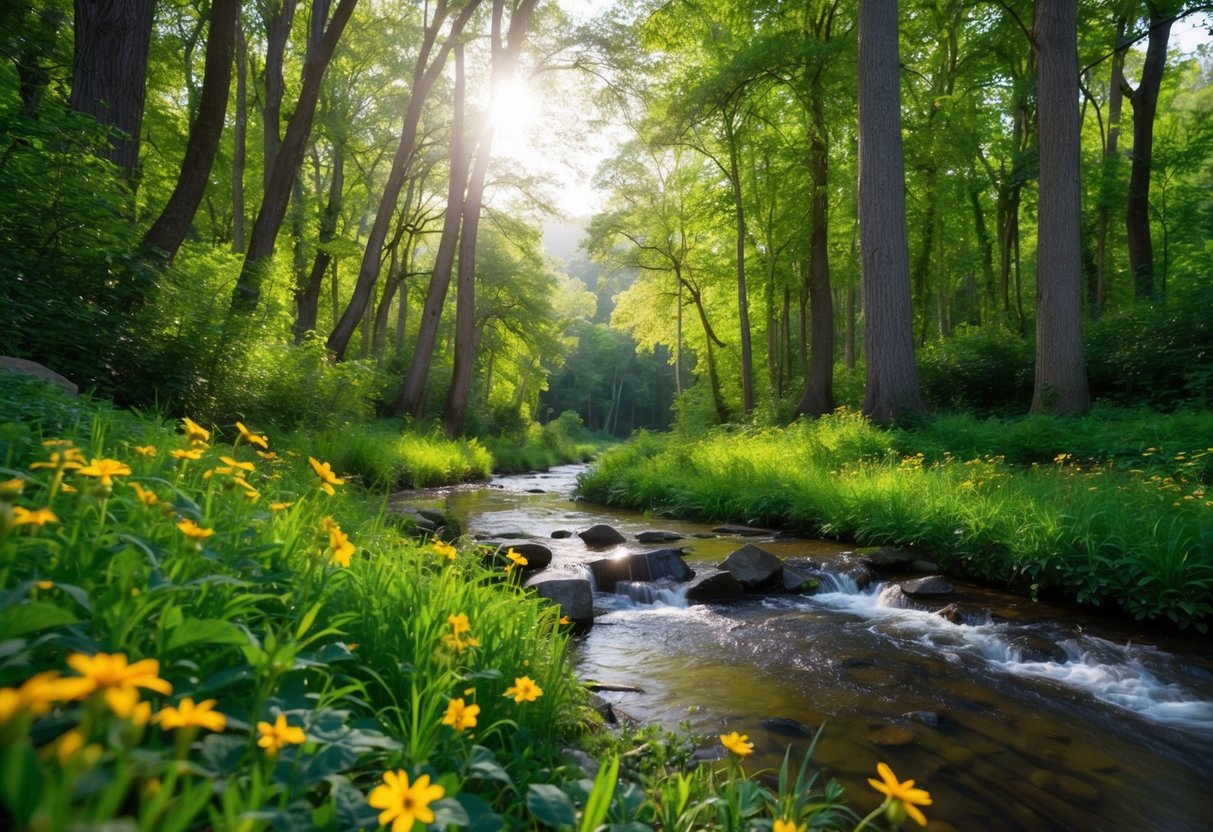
(1114, 510)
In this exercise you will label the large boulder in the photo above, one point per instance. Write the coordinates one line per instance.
(795, 581)
(756, 569)
(32, 368)
(717, 586)
(601, 535)
(573, 595)
(643, 566)
(889, 559)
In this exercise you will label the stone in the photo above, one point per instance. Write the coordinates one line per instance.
(25, 367)
(1077, 789)
(951, 612)
(414, 516)
(655, 536)
(535, 491)
(889, 559)
(433, 515)
(573, 595)
(561, 534)
(1042, 779)
(743, 531)
(931, 585)
(537, 555)
(891, 735)
(787, 727)
(795, 581)
(601, 535)
(931, 719)
(756, 568)
(717, 586)
(642, 566)
(924, 567)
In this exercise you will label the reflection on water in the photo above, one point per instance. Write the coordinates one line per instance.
(1025, 717)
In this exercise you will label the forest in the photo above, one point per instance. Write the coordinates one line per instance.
(930, 274)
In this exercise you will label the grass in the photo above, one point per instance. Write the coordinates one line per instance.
(1114, 509)
(197, 632)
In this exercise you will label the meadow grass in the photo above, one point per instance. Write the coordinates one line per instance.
(1114, 509)
(204, 628)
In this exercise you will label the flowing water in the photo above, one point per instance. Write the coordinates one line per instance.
(1027, 716)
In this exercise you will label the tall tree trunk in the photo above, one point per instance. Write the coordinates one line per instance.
(892, 379)
(1145, 102)
(425, 74)
(169, 230)
(984, 244)
(922, 263)
(307, 296)
(504, 65)
(109, 71)
(678, 340)
(1061, 375)
(743, 303)
(1111, 159)
(247, 293)
(818, 395)
(239, 140)
(277, 33)
(411, 398)
(39, 29)
(722, 411)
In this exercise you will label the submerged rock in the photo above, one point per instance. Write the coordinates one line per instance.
(891, 735)
(787, 727)
(932, 585)
(931, 719)
(601, 535)
(952, 612)
(657, 536)
(561, 534)
(756, 569)
(744, 531)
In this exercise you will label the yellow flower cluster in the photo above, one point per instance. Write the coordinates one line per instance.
(459, 639)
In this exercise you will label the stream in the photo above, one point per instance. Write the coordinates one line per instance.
(1026, 716)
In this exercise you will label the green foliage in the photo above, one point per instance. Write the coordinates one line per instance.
(984, 370)
(537, 448)
(1113, 509)
(386, 457)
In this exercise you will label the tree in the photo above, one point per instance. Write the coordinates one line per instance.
(1061, 375)
(109, 72)
(892, 379)
(170, 228)
(321, 45)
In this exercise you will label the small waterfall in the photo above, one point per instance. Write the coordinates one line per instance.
(649, 594)
(842, 582)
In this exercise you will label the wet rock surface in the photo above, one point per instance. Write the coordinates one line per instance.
(756, 569)
(601, 535)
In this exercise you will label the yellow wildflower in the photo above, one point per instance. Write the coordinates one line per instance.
(235, 465)
(564, 619)
(64, 461)
(252, 438)
(71, 744)
(268, 455)
(10, 489)
(281, 506)
(145, 495)
(524, 689)
(38, 517)
(279, 735)
(782, 825)
(45, 584)
(459, 623)
(401, 805)
(340, 547)
(193, 531)
(105, 470)
(901, 799)
(327, 478)
(739, 744)
(444, 550)
(195, 434)
(189, 715)
(460, 716)
(515, 560)
(145, 450)
(455, 640)
(112, 675)
(194, 454)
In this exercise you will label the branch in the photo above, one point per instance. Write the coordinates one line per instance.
(1134, 39)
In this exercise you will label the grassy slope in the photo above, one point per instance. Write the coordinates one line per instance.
(1113, 509)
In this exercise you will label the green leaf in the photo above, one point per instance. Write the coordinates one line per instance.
(550, 806)
(309, 618)
(30, 618)
(20, 780)
(484, 766)
(599, 802)
(481, 817)
(210, 630)
(449, 812)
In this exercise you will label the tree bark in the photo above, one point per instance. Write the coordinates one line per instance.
(109, 71)
(504, 65)
(247, 293)
(891, 387)
(743, 303)
(1145, 102)
(307, 296)
(411, 398)
(1111, 159)
(818, 395)
(239, 140)
(425, 73)
(1061, 376)
(277, 33)
(169, 230)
